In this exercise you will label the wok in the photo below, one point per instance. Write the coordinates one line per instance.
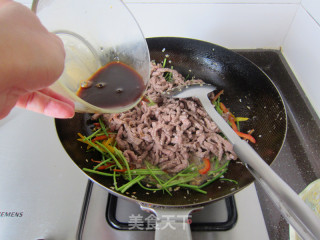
(248, 92)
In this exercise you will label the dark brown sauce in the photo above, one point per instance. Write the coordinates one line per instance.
(113, 85)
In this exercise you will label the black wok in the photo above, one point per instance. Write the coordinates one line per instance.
(247, 91)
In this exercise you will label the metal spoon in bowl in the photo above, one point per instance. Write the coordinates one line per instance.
(291, 206)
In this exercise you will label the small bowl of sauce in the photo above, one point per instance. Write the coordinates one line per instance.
(113, 86)
(107, 62)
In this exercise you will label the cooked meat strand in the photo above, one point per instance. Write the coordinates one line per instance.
(169, 133)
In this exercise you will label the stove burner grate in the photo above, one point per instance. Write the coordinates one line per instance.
(232, 215)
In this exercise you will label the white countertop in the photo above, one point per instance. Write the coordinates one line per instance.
(38, 180)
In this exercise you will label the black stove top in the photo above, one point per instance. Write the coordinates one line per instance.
(298, 162)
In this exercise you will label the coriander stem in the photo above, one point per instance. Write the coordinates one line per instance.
(102, 163)
(97, 172)
(126, 186)
(213, 179)
(193, 187)
(157, 179)
(103, 127)
(124, 160)
(219, 169)
(92, 135)
(110, 153)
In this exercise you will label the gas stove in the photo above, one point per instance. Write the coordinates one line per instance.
(43, 194)
(107, 217)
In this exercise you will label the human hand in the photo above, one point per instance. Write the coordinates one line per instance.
(31, 60)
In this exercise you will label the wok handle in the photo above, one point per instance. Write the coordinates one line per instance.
(172, 223)
(291, 206)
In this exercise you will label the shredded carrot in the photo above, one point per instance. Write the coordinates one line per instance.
(107, 143)
(88, 142)
(120, 170)
(223, 108)
(82, 139)
(217, 96)
(81, 136)
(233, 123)
(226, 110)
(231, 119)
(251, 131)
(105, 166)
(99, 138)
(92, 160)
(110, 141)
(145, 99)
(246, 136)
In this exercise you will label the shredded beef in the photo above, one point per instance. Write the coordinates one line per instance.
(169, 133)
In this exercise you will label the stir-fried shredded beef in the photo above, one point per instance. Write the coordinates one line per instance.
(169, 133)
